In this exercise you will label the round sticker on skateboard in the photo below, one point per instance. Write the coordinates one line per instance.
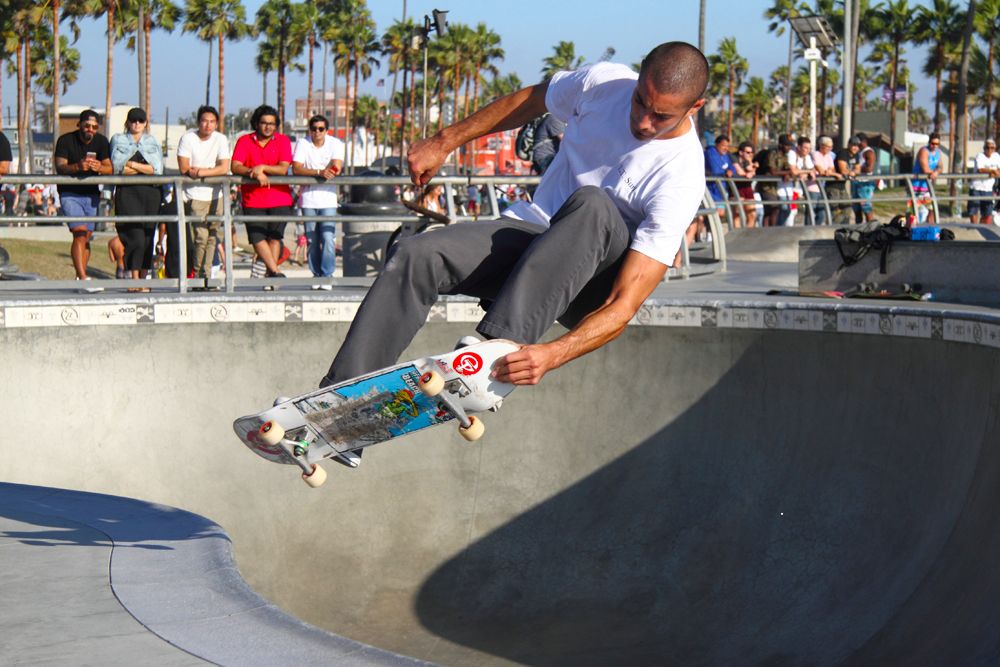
(468, 363)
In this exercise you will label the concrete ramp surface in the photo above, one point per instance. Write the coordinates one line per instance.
(690, 496)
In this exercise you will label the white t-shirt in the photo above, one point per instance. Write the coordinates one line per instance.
(311, 157)
(657, 185)
(203, 154)
(983, 162)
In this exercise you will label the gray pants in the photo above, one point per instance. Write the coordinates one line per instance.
(529, 276)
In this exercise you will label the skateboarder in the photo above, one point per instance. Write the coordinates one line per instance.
(606, 221)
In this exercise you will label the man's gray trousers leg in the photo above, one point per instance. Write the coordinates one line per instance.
(531, 275)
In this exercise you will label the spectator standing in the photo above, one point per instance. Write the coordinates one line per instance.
(719, 163)
(837, 190)
(987, 162)
(786, 187)
(262, 153)
(772, 162)
(203, 153)
(84, 152)
(826, 167)
(475, 199)
(9, 194)
(135, 152)
(746, 167)
(864, 189)
(6, 156)
(804, 171)
(431, 199)
(322, 157)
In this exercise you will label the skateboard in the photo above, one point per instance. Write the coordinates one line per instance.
(907, 292)
(377, 407)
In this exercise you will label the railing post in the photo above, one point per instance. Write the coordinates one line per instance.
(227, 230)
(182, 270)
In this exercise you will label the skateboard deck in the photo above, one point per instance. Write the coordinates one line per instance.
(378, 407)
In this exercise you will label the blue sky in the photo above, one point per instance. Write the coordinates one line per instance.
(528, 29)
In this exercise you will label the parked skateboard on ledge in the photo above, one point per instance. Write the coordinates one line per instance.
(377, 407)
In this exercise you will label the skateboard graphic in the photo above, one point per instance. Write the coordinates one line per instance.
(377, 407)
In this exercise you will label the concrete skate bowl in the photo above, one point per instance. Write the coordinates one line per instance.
(696, 496)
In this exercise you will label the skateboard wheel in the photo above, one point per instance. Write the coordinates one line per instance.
(431, 383)
(474, 431)
(271, 433)
(315, 479)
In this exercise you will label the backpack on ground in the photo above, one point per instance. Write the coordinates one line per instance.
(524, 142)
(855, 242)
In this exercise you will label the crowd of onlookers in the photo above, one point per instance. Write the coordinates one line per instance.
(797, 175)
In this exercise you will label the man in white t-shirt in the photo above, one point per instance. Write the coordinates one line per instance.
(987, 162)
(320, 156)
(606, 221)
(201, 153)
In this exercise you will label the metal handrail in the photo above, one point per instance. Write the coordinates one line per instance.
(227, 217)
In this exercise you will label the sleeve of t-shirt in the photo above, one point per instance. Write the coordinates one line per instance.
(184, 146)
(5, 152)
(62, 148)
(668, 215)
(565, 90)
(285, 154)
(982, 162)
(223, 151)
(240, 151)
(339, 150)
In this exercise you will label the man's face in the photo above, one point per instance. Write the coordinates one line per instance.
(207, 124)
(266, 126)
(656, 115)
(854, 149)
(722, 147)
(88, 128)
(988, 149)
(805, 148)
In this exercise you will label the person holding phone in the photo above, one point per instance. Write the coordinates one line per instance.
(85, 152)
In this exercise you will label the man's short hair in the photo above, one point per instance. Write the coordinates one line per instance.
(786, 139)
(260, 112)
(804, 140)
(87, 114)
(722, 137)
(204, 109)
(825, 141)
(677, 68)
(862, 137)
(854, 141)
(319, 118)
(933, 136)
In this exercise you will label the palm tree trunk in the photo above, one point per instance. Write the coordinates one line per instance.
(756, 126)
(222, 84)
(111, 44)
(892, 99)
(937, 102)
(56, 68)
(22, 147)
(146, 30)
(413, 101)
(732, 92)
(989, 86)
(309, 82)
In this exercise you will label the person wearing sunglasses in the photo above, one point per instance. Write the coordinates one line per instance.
(83, 152)
(321, 156)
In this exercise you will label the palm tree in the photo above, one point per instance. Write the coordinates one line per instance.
(778, 14)
(156, 14)
(939, 26)
(756, 100)
(563, 58)
(486, 50)
(987, 23)
(893, 20)
(731, 66)
(398, 45)
(306, 29)
(222, 20)
(499, 86)
(361, 42)
(275, 21)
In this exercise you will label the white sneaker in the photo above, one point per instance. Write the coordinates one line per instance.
(466, 341)
(326, 287)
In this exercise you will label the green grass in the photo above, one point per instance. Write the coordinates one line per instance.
(51, 259)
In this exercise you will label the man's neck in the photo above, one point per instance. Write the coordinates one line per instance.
(83, 138)
(319, 143)
(262, 140)
(205, 137)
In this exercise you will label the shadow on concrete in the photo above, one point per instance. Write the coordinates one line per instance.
(808, 509)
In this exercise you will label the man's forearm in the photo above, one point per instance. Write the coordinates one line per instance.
(506, 113)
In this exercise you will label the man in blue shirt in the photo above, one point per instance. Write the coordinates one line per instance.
(718, 163)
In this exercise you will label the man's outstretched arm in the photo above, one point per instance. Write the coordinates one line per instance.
(636, 280)
(425, 157)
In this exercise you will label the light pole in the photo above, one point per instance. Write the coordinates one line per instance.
(815, 33)
(440, 25)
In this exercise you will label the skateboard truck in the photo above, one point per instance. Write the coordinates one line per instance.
(432, 384)
(273, 434)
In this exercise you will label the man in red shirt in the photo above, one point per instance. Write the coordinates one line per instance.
(262, 153)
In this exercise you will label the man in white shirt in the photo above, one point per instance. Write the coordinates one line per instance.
(606, 221)
(201, 153)
(322, 157)
(981, 190)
